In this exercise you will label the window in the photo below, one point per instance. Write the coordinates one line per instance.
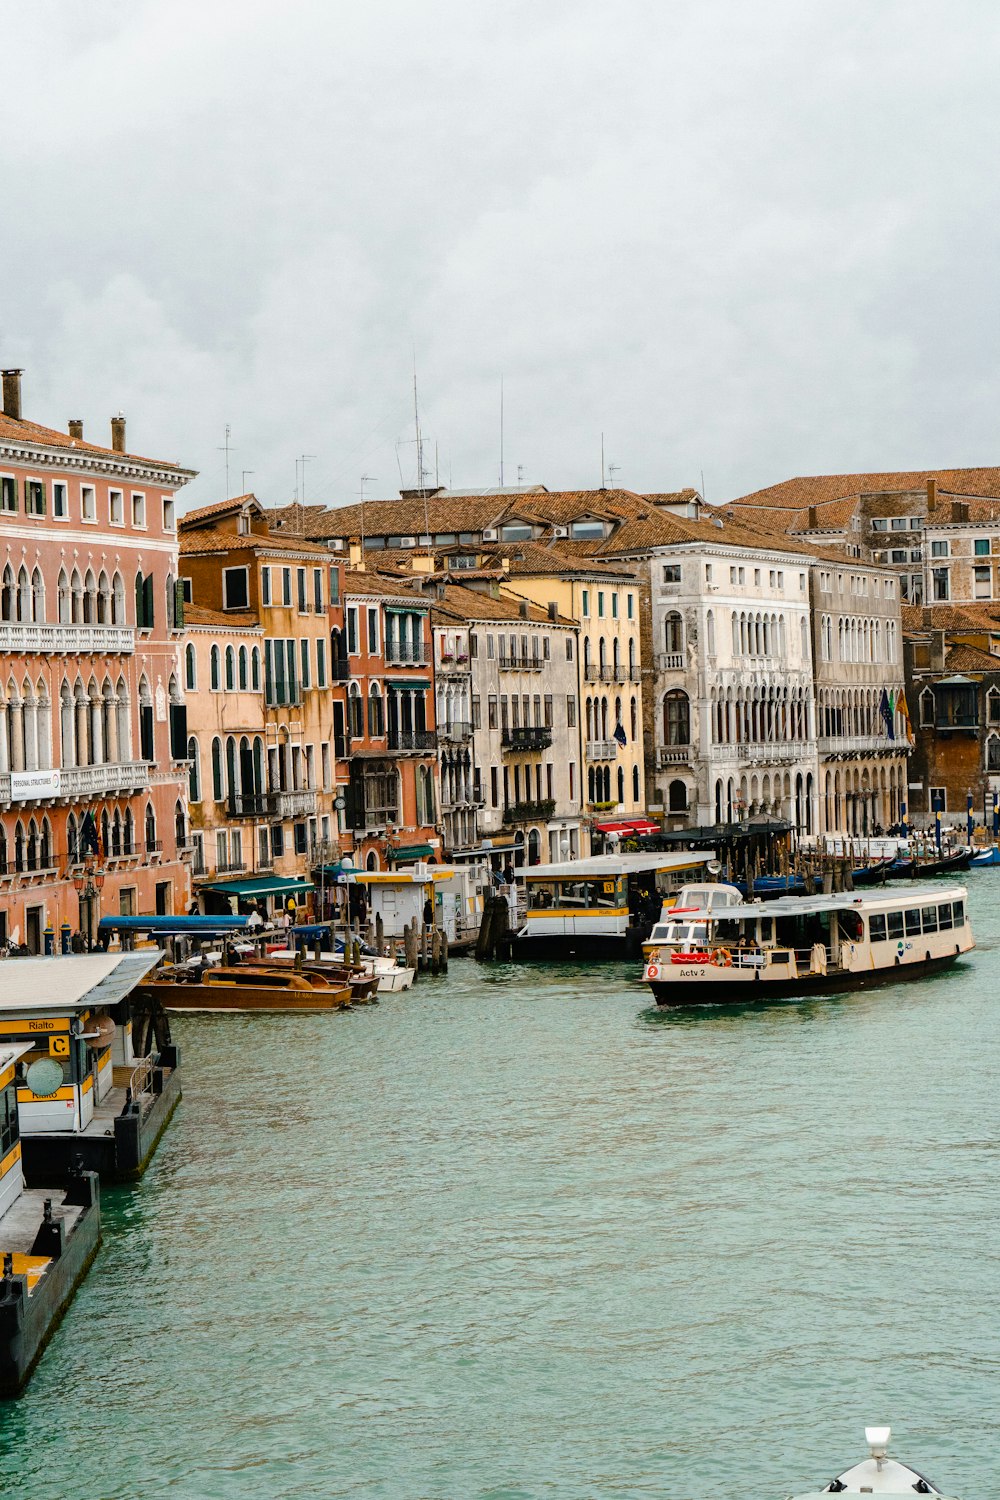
(214, 670)
(880, 523)
(265, 585)
(277, 840)
(993, 706)
(897, 555)
(981, 546)
(88, 502)
(489, 648)
(168, 513)
(139, 511)
(876, 927)
(630, 602)
(517, 531)
(940, 585)
(939, 549)
(352, 630)
(60, 499)
(732, 575)
(321, 663)
(585, 529)
(894, 925)
(802, 583)
(569, 648)
(8, 493)
(190, 669)
(600, 604)
(230, 669)
(235, 588)
(586, 603)
(303, 597)
(983, 583)
(318, 589)
(304, 660)
(899, 523)
(676, 718)
(373, 631)
(286, 588)
(491, 711)
(926, 708)
(671, 573)
(547, 648)
(34, 497)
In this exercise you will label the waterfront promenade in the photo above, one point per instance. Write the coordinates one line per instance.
(515, 1235)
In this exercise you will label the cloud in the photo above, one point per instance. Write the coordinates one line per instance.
(749, 240)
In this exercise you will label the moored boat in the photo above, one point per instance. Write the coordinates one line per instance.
(246, 987)
(986, 858)
(798, 946)
(878, 1474)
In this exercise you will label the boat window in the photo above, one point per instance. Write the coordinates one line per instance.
(958, 911)
(894, 924)
(766, 929)
(700, 932)
(541, 896)
(944, 916)
(876, 926)
(727, 931)
(659, 933)
(928, 915)
(912, 918)
(852, 927)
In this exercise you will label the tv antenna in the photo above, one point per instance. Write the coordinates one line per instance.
(603, 485)
(225, 448)
(501, 431)
(303, 459)
(243, 478)
(612, 471)
(365, 479)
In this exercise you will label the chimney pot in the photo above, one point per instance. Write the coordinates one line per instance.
(931, 495)
(553, 610)
(812, 520)
(76, 428)
(523, 608)
(118, 433)
(12, 394)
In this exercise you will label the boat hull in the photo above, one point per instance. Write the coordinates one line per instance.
(752, 991)
(215, 998)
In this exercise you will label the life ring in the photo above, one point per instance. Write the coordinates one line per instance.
(722, 958)
(652, 971)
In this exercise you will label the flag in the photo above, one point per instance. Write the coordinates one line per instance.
(89, 841)
(885, 710)
(902, 709)
(619, 735)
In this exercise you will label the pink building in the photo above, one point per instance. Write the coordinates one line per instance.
(93, 737)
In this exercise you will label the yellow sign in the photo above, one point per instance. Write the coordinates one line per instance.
(24, 1026)
(609, 887)
(59, 1046)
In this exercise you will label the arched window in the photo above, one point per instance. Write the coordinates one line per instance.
(621, 784)
(37, 596)
(8, 600)
(356, 712)
(677, 797)
(103, 599)
(376, 722)
(230, 669)
(194, 771)
(634, 719)
(117, 600)
(171, 599)
(64, 598)
(215, 678)
(926, 706)
(673, 634)
(128, 834)
(371, 860)
(635, 783)
(676, 718)
(116, 833)
(150, 829)
(180, 824)
(243, 668)
(255, 669)
(218, 791)
(534, 847)
(190, 668)
(993, 753)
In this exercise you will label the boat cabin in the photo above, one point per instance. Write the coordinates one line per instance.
(609, 901)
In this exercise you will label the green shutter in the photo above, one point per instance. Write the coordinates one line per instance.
(179, 605)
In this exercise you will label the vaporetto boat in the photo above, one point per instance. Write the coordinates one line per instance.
(877, 1475)
(803, 945)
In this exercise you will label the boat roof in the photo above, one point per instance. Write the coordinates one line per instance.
(613, 865)
(800, 906)
(72, 982)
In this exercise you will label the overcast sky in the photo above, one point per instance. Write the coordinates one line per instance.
(753, 238)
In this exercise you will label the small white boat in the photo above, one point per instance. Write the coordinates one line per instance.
(878, 1474)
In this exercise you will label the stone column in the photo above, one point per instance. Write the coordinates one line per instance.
(16, 735)
(4, 743)
(111, 748)
(96, 732)
(44, 734)
(31, 734)
(80, 709)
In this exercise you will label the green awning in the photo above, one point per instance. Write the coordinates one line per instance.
(409, 853)
(260, 885)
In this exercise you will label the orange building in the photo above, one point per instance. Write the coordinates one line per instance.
(391, 815)
(93, 736)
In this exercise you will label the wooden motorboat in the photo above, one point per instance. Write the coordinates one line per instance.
(361, 982)
(248, 987)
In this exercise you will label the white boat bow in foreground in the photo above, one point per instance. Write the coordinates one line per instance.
(878, 1474)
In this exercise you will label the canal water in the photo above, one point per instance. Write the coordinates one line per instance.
(515, 1235)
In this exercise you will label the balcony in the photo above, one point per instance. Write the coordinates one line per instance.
(412, 739)
(153, 846)
(767, 754)
(607, 674)
(298, 804)
(378, 818)
(529, 812)
(602, 750)
(670, 661)
(76, 783)
(230, 866)
(537, 737)
(635, 674)
(250, 805)
(406, 654)
(521, 663)
(672, 755)
(73, 639)
(591, 673)
(860, 744)
(456, 733)
(454, 666)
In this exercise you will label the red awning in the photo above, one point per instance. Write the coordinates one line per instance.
(630, 825)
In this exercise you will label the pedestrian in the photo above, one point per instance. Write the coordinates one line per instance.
(428, 912)
(508, 873)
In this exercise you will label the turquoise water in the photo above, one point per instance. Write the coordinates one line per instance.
(515, 1235)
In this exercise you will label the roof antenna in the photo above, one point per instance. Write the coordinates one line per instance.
(612, 471)
(303, 459)
(365, 478)
(420, 449)
(225, 448)
(603, 485)
(703, 495)
(520, 474)
(501, 429)
(243, 478)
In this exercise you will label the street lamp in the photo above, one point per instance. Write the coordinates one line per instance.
(88, 886)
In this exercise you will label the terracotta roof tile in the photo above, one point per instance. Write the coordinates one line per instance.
(795, 494)
(230, 541)
(19, 430)
(196, 614)
(962, 658)
(220, 508)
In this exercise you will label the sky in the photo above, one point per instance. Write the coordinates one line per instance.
(742, 241)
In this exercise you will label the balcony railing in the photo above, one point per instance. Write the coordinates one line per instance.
(591, 673)
(635, 674)
(670, 661)
(521, 663)
(297, 804)
(55, 638)
(529, 812)
(853, 744)
(537, 737)
(78, 782)
(455, 733)
(251, 805)
(602, 749)
(607, 674)
(672, 755)
(412, 739)
(380, 817)
(230, 866)
(769, 753)
(405, 653)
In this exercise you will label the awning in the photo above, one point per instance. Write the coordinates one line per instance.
(261, 885)
(409, 853)
(629, 825)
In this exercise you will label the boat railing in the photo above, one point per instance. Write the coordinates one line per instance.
(141, 1081)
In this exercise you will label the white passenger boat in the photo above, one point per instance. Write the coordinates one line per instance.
(803, 945)
(682, 928)
(877, 1475)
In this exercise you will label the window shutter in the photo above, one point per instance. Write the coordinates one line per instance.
(179, 604)
(140, 606)
(147, 599)
(178, 731)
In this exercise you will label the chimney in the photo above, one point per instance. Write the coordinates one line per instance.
(76, 429)
(553, 610)
(960, 510)
(12, 394)
(931, 496)
(118, 433)
(523, 609)
(812, 520)
(355, 555)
